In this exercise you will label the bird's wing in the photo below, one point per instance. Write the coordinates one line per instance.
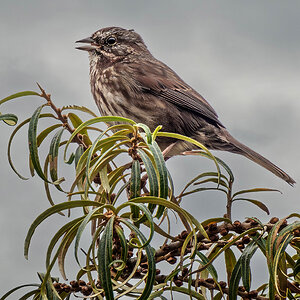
(156, 78)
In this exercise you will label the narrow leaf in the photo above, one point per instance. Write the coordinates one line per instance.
(17, 95)
(9, 119)
(135, 186)
(255, 202)
(245, 264)
(151, 262)
(105, 258)
(32, 141)
(255, 190)
(53, 155)
(230, 262)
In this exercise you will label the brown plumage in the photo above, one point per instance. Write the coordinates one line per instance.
(126, 80)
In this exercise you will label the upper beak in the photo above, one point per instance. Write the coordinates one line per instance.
(87, 40)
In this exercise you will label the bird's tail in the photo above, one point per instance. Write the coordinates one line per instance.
(257, 158)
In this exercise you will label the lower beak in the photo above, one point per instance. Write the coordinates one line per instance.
(90, 47)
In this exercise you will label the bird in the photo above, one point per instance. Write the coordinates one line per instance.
(128, 81)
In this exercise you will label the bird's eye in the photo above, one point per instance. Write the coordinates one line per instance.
(111, 40)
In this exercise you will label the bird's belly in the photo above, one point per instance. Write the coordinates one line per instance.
(116, 104)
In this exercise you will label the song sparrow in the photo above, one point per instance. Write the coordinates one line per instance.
(126, 80)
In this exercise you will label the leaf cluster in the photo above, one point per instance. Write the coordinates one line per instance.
(126, 196)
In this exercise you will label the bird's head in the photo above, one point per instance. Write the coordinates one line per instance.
(113, 43)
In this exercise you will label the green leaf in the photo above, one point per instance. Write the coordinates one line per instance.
(78, 153)
(105, 259)
(182, 290)
(135, 186)
(218, 296)
(146, 129)
(32, 141)
(53, 154)
(255, 202)
(9, 119)
(245, 264)
(51, 292)
(76, 121)
(210, 268)
(135, 180)
(161, 168)
(80, 230)
(62, 231)
(34, 293)
(11, 139)
(80, 108)
(255, 190)
(234, 281)
(46, 184)
(271, 289)
(214, 221)
(93, 121)
(46, 132)
(153, 180)
(162, 174)
(104, 179)
(230, 262)
(152, 177)
(18, 288)
(50, 211)
(17, 95)
(151, 262)
(296, 269)
(124, 245)
(160, 201)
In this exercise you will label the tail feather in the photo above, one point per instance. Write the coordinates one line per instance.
(259, 159)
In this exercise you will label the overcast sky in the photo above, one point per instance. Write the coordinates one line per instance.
(242, 56)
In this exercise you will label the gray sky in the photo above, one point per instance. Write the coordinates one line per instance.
(242, 56)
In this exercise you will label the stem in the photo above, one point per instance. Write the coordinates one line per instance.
(229, 201)
(63, 118)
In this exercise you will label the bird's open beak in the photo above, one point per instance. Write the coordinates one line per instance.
(89, 47)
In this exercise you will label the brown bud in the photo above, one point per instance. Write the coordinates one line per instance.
(240, 245)
(86, 290)
(237, 226)
(246, 239)
(253, 294)
(184, 271)
(274, 220)
(252, 233)
(183, 234)
(178, 282)
(67, 288)
(171, 260)
(81, 282)
(222, 284)
(210, 280)
(213, 228)
(297, 232)
(224, 231)
(58, 287)
(241, 289)
(253, 223)
(74, 283)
